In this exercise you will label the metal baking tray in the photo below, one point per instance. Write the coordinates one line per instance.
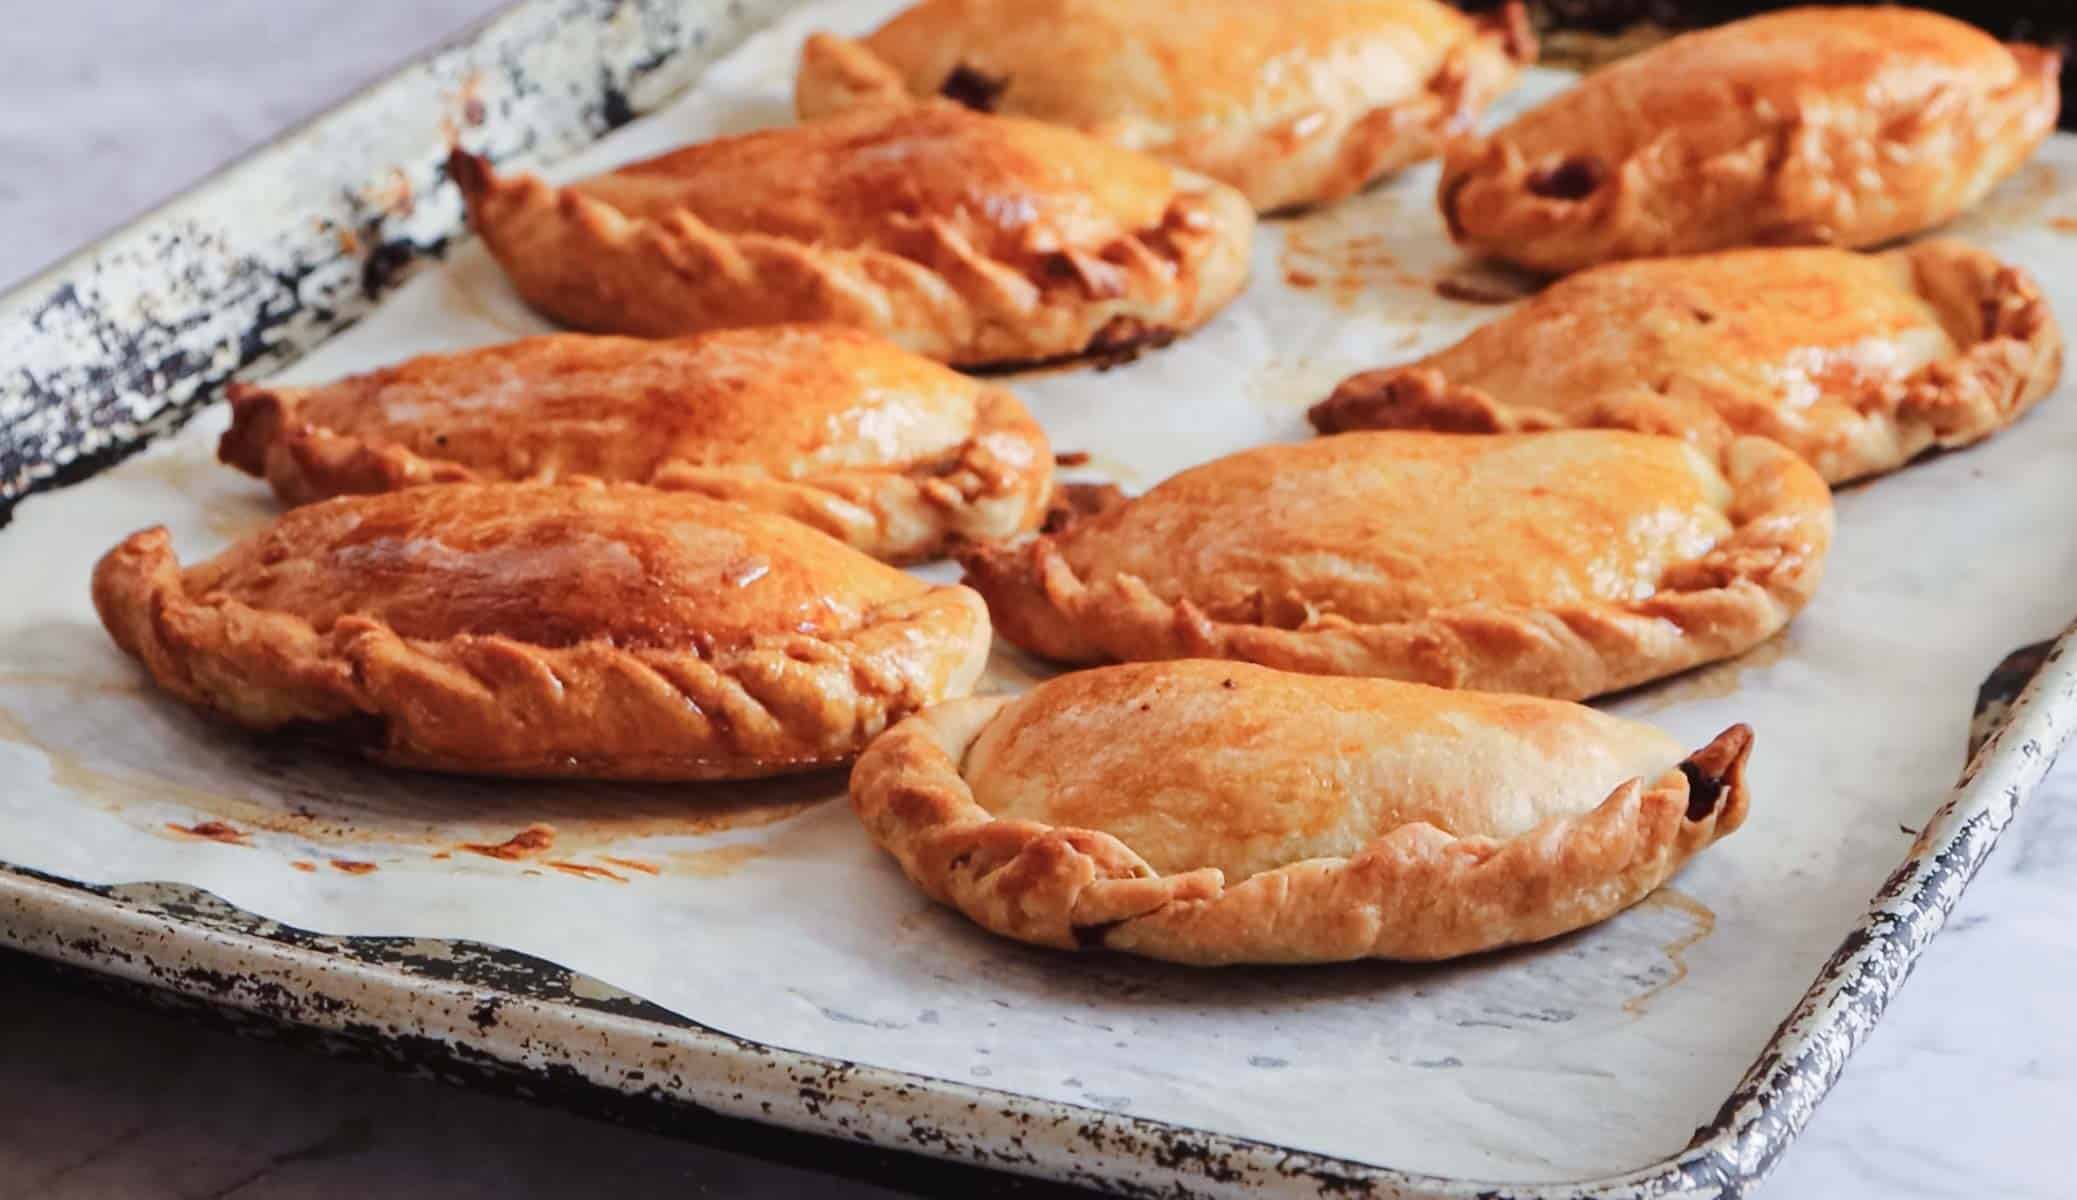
(122, 342)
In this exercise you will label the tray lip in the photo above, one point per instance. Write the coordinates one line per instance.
(1728, 1156)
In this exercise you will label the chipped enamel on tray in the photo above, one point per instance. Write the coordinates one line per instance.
(811, 986)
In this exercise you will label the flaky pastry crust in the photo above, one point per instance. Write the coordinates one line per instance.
(888, 452)
(1549, 564)
(1857, 362)
(511, 629)
(1391, 835)
(1292, 105)
(1844, 126)
(963, 237)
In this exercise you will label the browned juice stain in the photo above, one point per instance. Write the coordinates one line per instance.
(2063, 224)
(583, 870)
(212, 831)
(302, 865)
(717, 862)
(525, 844)
(352, 866)
(277, 785)
(632, 864)
(1340, 256)
(1675, 950)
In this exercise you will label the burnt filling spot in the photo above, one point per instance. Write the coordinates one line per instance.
(1703, 790)
(1573, 178)
(977, 90)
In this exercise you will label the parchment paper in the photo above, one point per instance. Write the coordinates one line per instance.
(764, 911)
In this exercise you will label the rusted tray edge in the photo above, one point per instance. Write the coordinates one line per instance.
(98, 369)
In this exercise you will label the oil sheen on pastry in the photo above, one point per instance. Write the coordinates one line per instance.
(1858, 362)
(1215, 812)
(1292, 104)
(535, 630)
(1563, 564)
(884, 450)
(964, 237)
(1845, 126)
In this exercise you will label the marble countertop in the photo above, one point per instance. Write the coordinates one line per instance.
(107, 106)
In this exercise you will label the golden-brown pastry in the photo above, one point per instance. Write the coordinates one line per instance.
(519, 629)
(965, 237)
(1290, 104)
(1215, 812)
(1561, 564)
(1857, 362)
(1847, 126)
(886, 451)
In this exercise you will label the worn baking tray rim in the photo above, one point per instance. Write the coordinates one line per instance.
(74, 923)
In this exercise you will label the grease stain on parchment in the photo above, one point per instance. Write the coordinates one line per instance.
(716, 862)
(1342, 256)
(1712, 681)
(103, 751)
(70, 773)
(1703, 924)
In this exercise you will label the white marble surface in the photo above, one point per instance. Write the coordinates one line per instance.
(109, 105)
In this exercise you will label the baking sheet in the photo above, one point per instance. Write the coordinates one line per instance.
(762, 910)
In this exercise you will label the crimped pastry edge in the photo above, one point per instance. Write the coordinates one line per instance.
(1785, 186)
(900, 515)
(1415, 893)
(1355, 149)
(586, 265)
(1738, 594)
(494, 705)
(2013, 359)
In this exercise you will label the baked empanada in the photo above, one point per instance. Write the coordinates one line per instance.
(1290, 104)
(965, 237)
(1561, 564)
(534, 630)
(886, 451)
(1212, 812)
(1848, 126)
(1857, 362)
